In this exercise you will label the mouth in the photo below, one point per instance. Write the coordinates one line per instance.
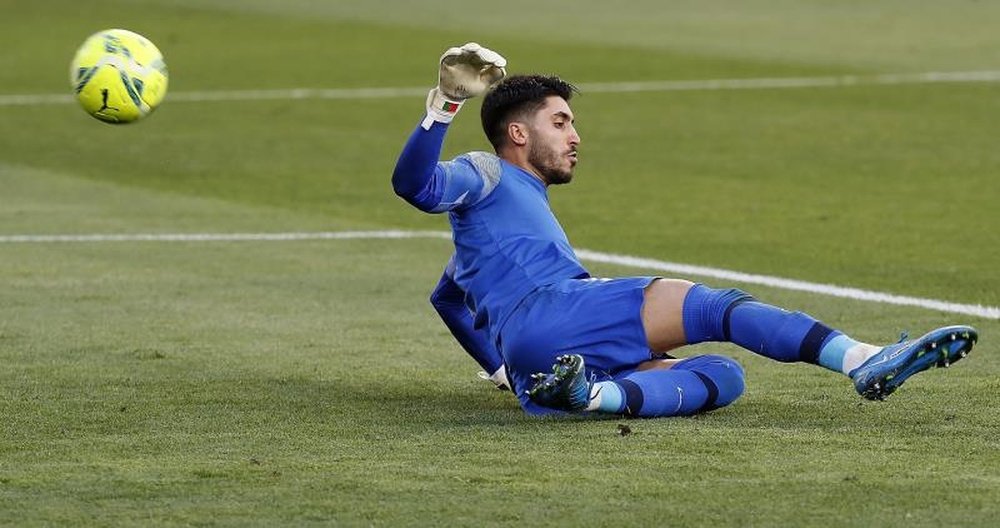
(573, 157)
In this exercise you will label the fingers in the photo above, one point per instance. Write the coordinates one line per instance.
(485, 55)
(469, 71)
(472, 53)
(492, 75)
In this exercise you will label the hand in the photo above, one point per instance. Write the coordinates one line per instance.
(469, 71)
(464, 72)
(499, 378)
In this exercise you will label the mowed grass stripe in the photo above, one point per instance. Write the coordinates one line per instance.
(612, 87)
(986, 312)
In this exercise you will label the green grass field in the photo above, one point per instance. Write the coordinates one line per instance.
(309, 382)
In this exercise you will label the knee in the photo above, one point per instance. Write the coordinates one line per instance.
(721, 298)
(723, 377)
(706, 312)
(731, 382)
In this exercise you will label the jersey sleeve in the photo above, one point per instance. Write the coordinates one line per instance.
(448, 300)
(436, 187)
(467, 180)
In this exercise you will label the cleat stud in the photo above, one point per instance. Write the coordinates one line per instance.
(933, 346)
(953, 337)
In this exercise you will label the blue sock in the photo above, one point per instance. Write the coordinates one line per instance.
(734, 316)
(694, 385)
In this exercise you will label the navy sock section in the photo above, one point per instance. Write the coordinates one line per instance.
(734, 316)
(692, 386)
(633, 395)
(813, 342)
(712, 399)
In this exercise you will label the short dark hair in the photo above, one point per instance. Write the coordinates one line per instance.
(515, 97)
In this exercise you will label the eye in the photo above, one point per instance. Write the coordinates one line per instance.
(559, 124)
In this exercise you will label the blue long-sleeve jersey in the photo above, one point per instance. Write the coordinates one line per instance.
(507, 241)
(448, 300)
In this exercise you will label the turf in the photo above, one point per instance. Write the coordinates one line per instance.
(296, 383)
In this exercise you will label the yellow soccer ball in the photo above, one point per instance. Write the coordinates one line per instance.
(119, 76)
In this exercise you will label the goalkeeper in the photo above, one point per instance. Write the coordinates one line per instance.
(524, 307)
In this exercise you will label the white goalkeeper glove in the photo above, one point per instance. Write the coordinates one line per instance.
(465, 72)
(499, 378)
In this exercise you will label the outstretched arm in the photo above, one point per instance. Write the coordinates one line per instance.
(449, 301)
(464, 72)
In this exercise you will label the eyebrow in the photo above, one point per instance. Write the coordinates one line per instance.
(563, 115)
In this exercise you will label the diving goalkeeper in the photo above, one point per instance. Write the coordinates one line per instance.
(522, 305)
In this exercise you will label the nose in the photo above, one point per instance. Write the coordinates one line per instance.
(574, 137)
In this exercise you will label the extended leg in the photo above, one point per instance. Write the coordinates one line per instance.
(700, 314)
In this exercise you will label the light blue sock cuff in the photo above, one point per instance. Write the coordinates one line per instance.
(612, 397)
(831, 355)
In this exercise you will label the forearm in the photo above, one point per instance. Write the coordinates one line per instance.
(449, 301)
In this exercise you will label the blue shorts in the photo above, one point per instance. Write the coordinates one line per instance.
(600, 319)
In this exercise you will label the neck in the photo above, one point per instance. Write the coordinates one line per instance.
(519, 159)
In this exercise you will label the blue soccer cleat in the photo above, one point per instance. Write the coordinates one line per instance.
(565, 389)
(884, 372)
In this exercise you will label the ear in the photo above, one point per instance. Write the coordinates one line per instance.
(517, 133)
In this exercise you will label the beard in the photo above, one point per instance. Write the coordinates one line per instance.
(549, 162)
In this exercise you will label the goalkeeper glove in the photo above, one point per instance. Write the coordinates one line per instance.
(465, 72)
(499, 378)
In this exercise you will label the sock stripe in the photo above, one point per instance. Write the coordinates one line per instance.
(813, 343)
(713, 392)
(728, 313)
(633, 396)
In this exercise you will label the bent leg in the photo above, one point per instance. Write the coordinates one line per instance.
(694, 385)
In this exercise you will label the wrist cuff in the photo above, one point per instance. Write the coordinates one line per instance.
(499, 378)
(440, 108)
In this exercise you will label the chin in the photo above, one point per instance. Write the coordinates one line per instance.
(559, 178)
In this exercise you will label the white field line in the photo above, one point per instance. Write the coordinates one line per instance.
(611, 87)
(221, 237)
(686, 270)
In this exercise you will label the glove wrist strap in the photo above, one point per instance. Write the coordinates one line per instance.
(440, 108)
